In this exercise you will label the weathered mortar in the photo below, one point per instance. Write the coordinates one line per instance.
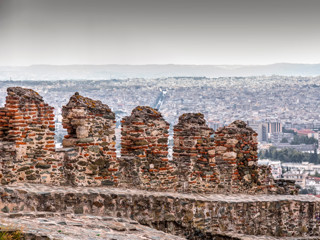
(193, 153)
(176, 213)
(145, 141)
(91, 131)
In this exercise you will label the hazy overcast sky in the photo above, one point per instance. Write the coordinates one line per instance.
(159, 31)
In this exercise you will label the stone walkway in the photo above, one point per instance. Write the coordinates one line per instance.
(75, 227)
(57, 226)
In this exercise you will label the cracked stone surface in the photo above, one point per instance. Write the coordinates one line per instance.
(75, 227)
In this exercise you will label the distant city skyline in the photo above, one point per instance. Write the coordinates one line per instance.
(143, 32)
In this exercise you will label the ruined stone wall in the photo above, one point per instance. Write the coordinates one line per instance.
(28, 124)
(227, 165)
(91, 131)
(145, 141)
(193, 153)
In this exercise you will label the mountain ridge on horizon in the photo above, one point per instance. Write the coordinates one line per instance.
(160, 64)
(119, 71)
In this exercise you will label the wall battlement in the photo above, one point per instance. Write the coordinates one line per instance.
(225, 163)
(145, 139)
(194, 154)
(237, 196)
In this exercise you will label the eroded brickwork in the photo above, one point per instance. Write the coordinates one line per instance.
(227, 165)
(91, 130)
(29, 122)
(236, 156)
(145, 141)
(250, 200)
(193, 153)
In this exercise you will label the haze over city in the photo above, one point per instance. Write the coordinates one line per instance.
(204, 32)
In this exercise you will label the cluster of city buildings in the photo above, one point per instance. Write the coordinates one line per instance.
(306, 175)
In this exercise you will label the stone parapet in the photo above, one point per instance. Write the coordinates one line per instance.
(187, 215)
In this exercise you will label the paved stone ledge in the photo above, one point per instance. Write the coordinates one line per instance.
(192, 216)
(42, 189)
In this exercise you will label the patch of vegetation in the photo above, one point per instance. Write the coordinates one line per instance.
(289, 155)
(10, 235)
(303, 140)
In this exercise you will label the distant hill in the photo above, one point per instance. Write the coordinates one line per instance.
(105, 72)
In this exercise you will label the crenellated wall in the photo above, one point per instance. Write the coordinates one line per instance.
(194, 154)
(144, 141)
(226, 163)
(27, 126)
(237, 195)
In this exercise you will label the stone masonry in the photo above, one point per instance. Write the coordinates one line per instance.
(27, 146)
(189, 215)
(226, 163)
(145, 141)
(28, 122)
(91, 131)
(236, 159)
(193, 153)
(227, 190)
